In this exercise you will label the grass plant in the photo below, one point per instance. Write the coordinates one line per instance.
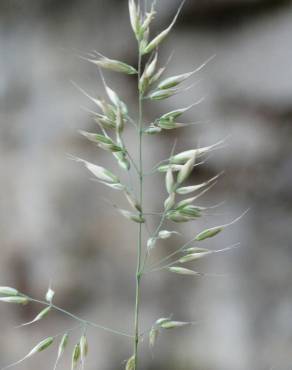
(113, 117)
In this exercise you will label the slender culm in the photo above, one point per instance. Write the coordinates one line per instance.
(139, 245)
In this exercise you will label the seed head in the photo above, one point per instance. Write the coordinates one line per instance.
(83, 347)
(113, 65)
(165, 234)
(151, 130)
(5, 290)
(183, 271)
(50, 295)
(40, 316)
(187, 169)
(63, 345)
(153, 335)
(169, 181)
(15, 299)
(193, 257)
(132, 216)
(44, 344)
(130, 365)
(135, 17)
(75, 357)
(173, 324)
(151, 243)
(169, 202)
(162, 94)
(209, 233)
(160, 37)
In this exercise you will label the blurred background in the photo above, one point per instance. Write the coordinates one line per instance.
(55, 226)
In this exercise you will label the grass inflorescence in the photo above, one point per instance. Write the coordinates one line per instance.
(112, 117)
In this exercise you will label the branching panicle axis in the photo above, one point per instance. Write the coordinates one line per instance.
(179, 205)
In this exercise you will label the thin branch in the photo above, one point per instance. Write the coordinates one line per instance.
(82, 321)
(133, 162)
(233, 246)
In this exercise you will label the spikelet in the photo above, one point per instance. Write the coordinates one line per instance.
(169, 181)
(100, 172)
(169, 202)
(7, 291)
(15, 299)
(41, 346)
(176, 80)
(83, 349)
(165, 234)
(153, 335)
(113, 65)
(130, 365)
(135, 17)
(132, 216)
(183, 271)
(160, 37)
(75, 357)
(173, 324)
(50, 295)
(186, 170)
(191, 189)
(193, 257)
(183, 157)
(61, 349)
(39, 317)
(210, 233)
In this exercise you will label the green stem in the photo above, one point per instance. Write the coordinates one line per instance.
(139, 246)
(82, 321)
